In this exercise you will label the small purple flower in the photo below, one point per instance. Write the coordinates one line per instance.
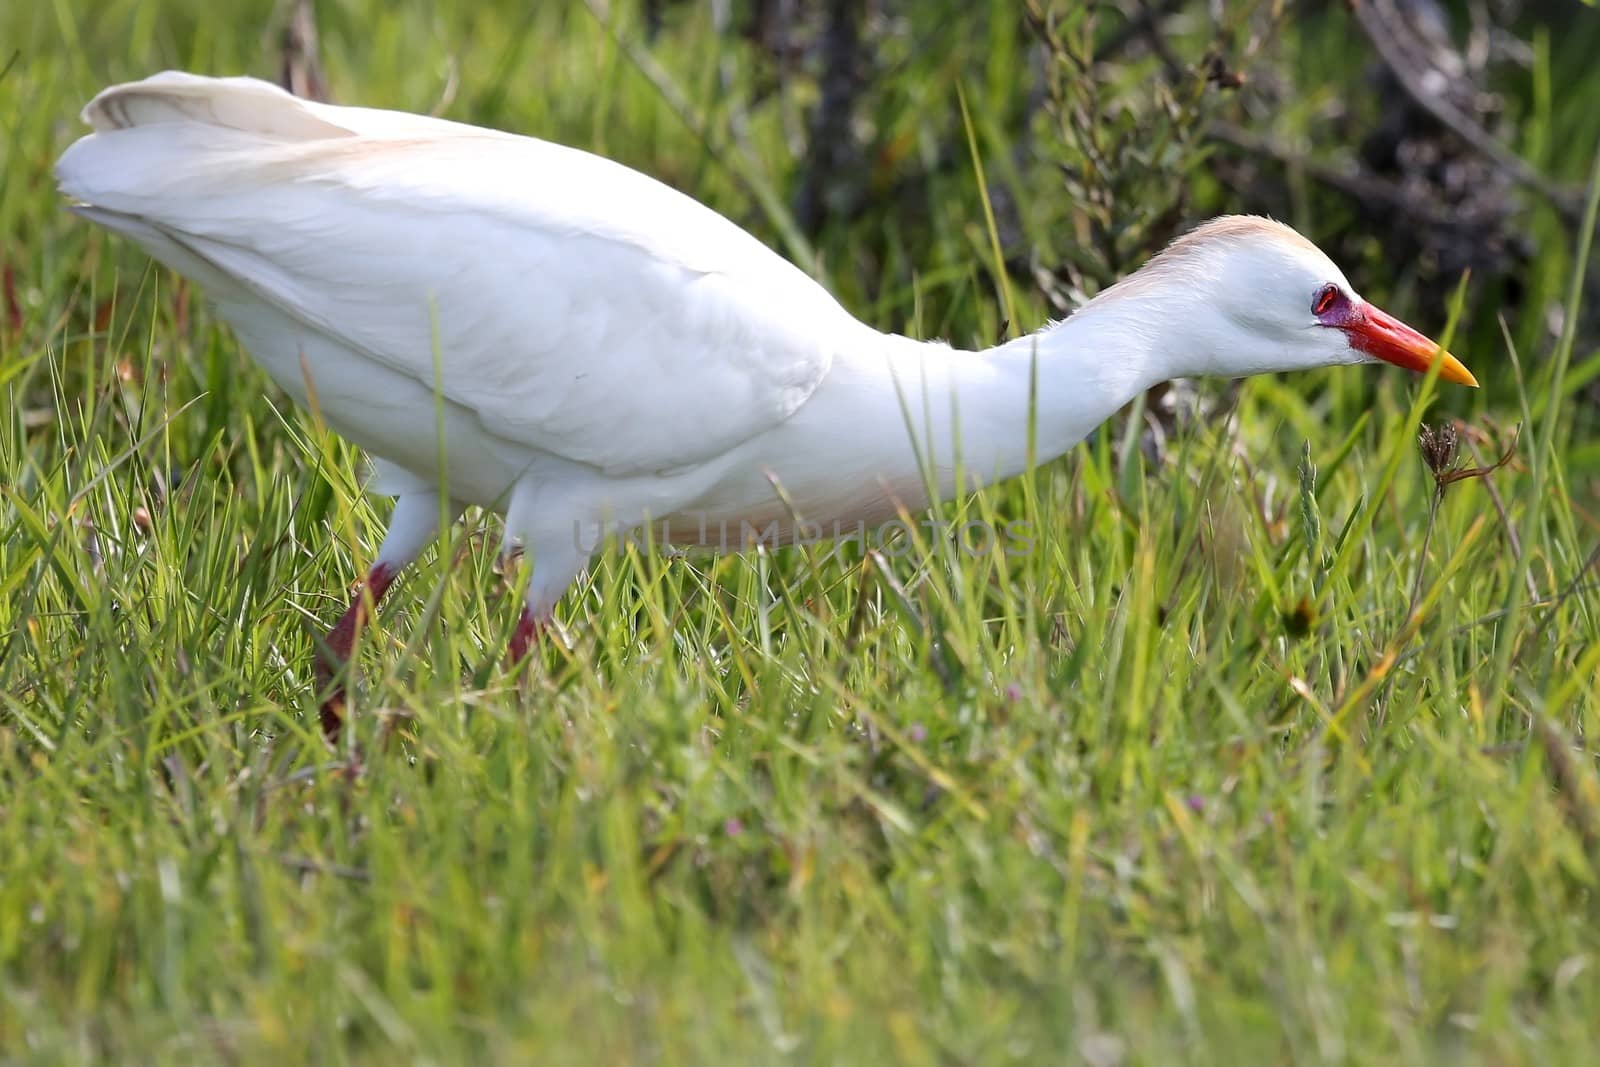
(917, 732)
(1013, 692)
(733, 827)
(1196, 802)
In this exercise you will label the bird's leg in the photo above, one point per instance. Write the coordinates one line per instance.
(414, 523)
(529, 629)
(555, 565)
(340, 642)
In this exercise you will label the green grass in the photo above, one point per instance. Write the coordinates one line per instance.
(1187, 783)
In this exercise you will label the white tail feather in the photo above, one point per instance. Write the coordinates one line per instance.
(243, 104)
(161, 142)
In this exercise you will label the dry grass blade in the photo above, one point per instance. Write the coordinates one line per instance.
(300, 64)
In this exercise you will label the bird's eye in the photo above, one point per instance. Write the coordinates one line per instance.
(1327, 297)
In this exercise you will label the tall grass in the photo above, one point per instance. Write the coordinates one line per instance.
(1195, 780)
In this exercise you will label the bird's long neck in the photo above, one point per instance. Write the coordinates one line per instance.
(974, 409)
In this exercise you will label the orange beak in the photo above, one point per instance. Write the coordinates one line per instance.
(1379, 334)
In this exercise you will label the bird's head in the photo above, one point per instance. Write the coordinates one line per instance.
(1247, 295)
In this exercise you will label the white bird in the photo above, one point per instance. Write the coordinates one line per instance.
(602, 351)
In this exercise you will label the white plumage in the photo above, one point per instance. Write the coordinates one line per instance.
(606, 350)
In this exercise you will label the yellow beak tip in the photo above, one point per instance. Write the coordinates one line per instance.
(1453, 371)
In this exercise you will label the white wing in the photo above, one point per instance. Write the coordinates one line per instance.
(577, 307)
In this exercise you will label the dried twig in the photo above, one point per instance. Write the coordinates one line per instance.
(1576, 585)
(8, 292)
(1149, 23)
(1577, 791)
(755, 183)
(1358, 185)
(300, 71)
(1513, 539)
(832, 147)
(1139, 24)
(306, 865)
(1388, 37)
(1449, 474)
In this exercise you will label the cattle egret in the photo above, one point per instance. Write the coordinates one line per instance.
(505, 322)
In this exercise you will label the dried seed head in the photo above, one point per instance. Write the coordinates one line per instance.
(1438, 447)
(1219, 74)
